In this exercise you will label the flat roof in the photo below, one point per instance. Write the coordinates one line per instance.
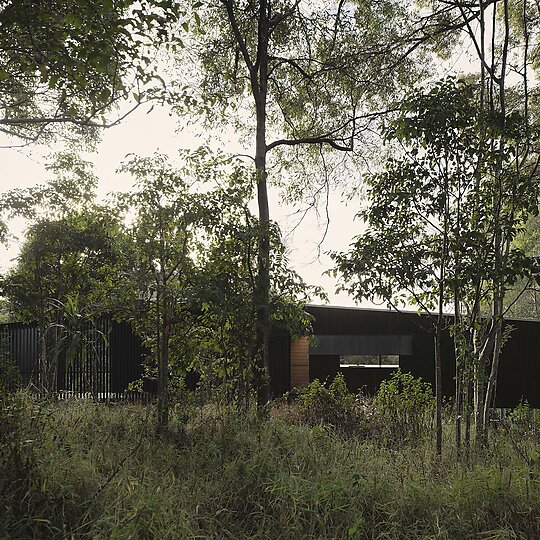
(406, 311)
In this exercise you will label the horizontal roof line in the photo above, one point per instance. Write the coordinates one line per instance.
(406, 312)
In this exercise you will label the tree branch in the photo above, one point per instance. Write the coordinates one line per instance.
(327, 138)
(87, 122)
(309, 140)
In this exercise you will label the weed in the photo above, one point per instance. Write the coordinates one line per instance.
(406, 405)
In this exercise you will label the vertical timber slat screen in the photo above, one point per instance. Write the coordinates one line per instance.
(20, 343)
(88, 372)
(108, 359)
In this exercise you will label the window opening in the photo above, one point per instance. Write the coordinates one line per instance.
(369, 360)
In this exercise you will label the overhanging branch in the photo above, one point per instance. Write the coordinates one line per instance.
(309, 140)
(64, 119)
(329, 138)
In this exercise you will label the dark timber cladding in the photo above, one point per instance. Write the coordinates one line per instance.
(18, 341)
(406, 338)
(106, 368)
(279, 352)
(341, 331)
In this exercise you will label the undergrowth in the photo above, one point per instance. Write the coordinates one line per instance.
(92, 471)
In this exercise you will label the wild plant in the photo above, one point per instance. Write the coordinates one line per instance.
(406, 406)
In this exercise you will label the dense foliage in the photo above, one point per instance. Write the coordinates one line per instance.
(441, 223)
(176, 258)
(70, 62)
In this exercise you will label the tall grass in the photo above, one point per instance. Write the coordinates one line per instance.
(84, 470)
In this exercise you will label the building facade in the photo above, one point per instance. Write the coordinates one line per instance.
(368, 345)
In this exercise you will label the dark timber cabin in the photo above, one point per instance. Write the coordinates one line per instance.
(368, 345)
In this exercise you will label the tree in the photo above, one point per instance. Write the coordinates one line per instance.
(68, 252)
(173, 228)
(523, 299)
(228, 313)
(60, 260)
(503, 36)
(505, 49)
(163, 245)
(189, 267)
(309, 75)
(413, 208)
(69, 62)
(431, 229)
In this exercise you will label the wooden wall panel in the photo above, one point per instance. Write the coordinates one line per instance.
(299, 362)
(519, 368)
(279, 356)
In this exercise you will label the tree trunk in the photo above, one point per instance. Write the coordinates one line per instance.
(461, 354)
(483, 360)
(162, 353)
(479, 402)
(163, 378)
(458, 398)
(52, 368)
(262, 294)
(438, 388)
(467, 406)
(440, 320)
(492, 380)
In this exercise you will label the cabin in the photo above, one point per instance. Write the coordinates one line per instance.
(367, 345)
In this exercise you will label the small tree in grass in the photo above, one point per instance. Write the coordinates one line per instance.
(188, 276)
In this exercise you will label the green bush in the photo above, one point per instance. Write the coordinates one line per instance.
(406, 406)
(10, 378)
(332, 405)
(523, 419)
(317, 394)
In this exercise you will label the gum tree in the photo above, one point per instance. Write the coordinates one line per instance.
(503, 37)
(296, 74)
(414, 210)
(70, 62)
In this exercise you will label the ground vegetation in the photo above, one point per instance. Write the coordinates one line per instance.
(87, 470)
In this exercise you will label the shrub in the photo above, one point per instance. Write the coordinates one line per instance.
(332, 405)
(19, 468)
(406, 406)
(523, 419)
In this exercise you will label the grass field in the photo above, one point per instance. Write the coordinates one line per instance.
(85, 470)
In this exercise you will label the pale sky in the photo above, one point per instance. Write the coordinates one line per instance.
(144, 133)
